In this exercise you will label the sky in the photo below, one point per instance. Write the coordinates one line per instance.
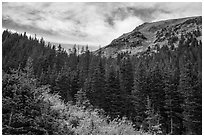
(89, 23)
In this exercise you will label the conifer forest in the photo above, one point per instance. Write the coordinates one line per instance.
(45, 90)
(48, 90)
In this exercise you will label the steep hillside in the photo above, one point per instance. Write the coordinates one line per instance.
(148, 35)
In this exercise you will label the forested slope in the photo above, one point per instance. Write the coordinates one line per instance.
(47, 90)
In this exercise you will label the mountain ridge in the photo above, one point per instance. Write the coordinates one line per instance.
(149, 34)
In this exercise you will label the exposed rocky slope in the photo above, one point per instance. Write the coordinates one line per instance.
(148, 35)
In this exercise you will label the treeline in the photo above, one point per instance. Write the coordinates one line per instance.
(161, 93)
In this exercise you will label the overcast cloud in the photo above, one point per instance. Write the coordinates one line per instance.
(89, 23)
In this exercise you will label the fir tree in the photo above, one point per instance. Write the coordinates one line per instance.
(113, 95)
(186, 87)
(139, 94)
(81, 99)
(173, 101)
(98, 86)
(126, 76)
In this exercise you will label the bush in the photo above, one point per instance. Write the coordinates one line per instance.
(28, 109)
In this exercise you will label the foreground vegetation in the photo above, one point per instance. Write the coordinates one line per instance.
(31, 109)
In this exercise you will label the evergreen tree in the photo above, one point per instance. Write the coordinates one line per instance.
(156, 92)
(153, 119)
(20, 106)
(173, 101)
(29, 68)
(191, 103)
(139, 94)
(63, 85)
(75, 85)
(126, 76)
(113, 95)
(81, 99)
(127, 83)
(98, 86)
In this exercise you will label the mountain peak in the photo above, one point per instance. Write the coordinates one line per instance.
(148, 34)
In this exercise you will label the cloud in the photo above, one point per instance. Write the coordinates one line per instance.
(178, 10)
(89, 23)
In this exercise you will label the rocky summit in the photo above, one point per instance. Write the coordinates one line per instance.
(148, 36)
